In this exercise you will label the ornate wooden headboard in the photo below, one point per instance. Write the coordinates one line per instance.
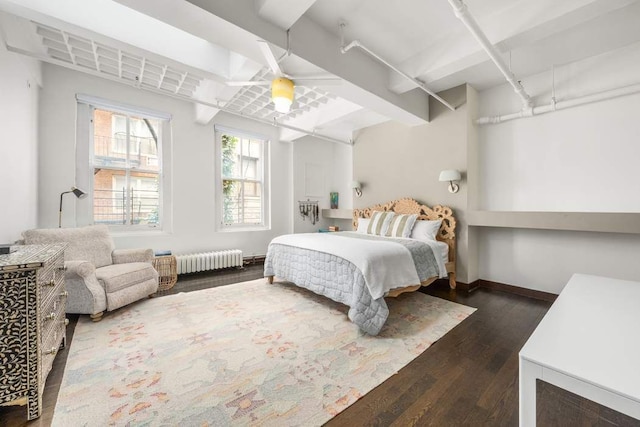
(447, 230)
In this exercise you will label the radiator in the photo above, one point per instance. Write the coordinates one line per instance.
(204, 261)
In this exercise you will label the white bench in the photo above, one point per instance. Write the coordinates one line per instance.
(589, 344)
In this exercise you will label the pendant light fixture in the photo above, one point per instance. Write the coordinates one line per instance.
(282, 94)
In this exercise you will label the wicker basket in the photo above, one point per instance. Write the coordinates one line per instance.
(167, 270)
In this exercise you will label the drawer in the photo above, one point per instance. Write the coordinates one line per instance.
(52, 317)
(51, 346)
(46, 272)
(53, 295)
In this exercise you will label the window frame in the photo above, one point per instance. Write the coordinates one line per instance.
(86, 164)
(264, 181)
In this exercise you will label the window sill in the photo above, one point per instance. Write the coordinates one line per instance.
(138, 232)
(243, 229)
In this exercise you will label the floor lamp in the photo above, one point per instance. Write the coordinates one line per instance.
(78, 193)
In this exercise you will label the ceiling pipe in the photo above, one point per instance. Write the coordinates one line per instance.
(64, 64)
(468, 20)
(562, 105)
(421, 85)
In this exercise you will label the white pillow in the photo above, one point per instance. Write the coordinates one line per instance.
(425, 230)
(363, 224)
(379, 223)
(401, 225)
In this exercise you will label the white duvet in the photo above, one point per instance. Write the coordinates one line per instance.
(381, 263)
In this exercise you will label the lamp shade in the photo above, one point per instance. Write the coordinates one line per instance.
(450, 175)
(282, 94)
(78, 193)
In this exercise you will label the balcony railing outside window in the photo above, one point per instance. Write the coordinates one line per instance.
(111, 206)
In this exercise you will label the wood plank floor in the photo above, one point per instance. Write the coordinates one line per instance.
(469, 377)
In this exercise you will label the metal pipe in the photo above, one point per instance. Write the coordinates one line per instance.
(562, 105)
(468, 20)
(421, 85)
(171, 95)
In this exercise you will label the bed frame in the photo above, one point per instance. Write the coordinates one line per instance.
(445, 234)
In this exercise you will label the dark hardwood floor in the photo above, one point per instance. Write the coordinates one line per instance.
(469, 377)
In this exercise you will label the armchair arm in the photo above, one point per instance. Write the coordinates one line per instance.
(83, 269)
(122, 256)
(86, 294)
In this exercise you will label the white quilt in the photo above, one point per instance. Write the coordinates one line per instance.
(381, 263)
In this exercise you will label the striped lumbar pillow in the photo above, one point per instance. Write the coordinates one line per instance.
(379, 223)
(401, 225)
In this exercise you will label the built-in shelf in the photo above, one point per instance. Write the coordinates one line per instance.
(337, 213)
(607, 222)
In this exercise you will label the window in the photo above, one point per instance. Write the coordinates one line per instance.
(242, 185)
(126, 166)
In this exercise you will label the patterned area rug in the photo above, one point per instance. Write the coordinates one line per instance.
(243, 354)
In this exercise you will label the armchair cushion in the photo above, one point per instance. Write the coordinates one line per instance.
(92, 243)
(119, 276)
(121, 256)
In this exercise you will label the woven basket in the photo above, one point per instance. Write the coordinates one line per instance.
(167, 270)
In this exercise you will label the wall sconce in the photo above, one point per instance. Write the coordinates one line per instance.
(452, 176)
(357, 187)
(78, 193)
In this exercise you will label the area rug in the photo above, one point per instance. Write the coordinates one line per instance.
(243, 354)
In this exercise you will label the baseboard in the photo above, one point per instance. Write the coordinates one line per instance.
(531, 293)
(488, 284)
(469, 287)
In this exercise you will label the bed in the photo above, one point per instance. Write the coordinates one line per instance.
(359, 269)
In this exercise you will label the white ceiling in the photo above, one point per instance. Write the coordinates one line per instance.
(202, 44)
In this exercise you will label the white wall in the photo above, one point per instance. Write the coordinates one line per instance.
(580, 159)
(545, 260)
(19, 81)
(577, 160)
(333, 163)
(193, 178)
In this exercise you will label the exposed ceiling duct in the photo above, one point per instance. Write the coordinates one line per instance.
(561, 105)
(356, 43)
(469, 21)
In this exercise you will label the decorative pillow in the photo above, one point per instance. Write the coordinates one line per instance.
(379, 223)
(401, 225)
(425, 230)
(363, 225)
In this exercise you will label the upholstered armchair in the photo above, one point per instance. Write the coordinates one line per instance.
(98, 277)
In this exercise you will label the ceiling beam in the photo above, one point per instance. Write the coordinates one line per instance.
(237, 25)
(523, 24)
(283, 13)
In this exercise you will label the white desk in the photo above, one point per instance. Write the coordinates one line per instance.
(589, 344)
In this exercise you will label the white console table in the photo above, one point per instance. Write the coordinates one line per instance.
(589, 344)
